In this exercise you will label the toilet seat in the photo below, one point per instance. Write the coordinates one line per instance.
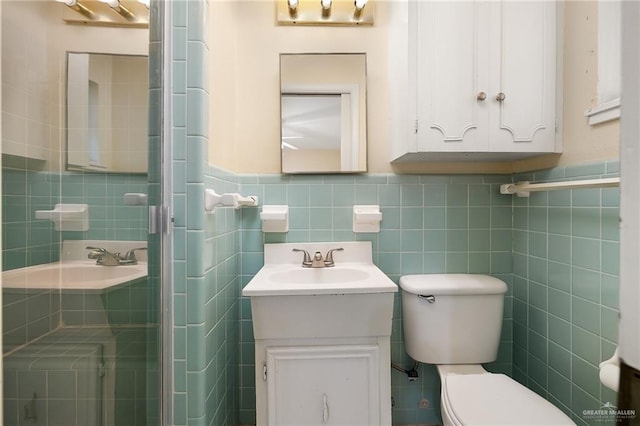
(495, 399)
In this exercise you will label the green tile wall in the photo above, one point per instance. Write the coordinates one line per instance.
(565, 288)
(28, 241)
(431, 224)
(206, 307)
(206, 247)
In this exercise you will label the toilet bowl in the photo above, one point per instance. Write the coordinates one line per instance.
(483, 398)
(454, 321)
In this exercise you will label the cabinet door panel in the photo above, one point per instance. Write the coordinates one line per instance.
(325, 385)
(526, 76)
(452, 70)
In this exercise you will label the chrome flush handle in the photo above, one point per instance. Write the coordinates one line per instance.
(429, 298)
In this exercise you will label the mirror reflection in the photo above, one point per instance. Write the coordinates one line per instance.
(323, 113)
(107, 112)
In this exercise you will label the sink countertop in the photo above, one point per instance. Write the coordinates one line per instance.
(72, 275)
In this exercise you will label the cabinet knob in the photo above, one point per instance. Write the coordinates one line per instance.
(481, 96)
(500, 97)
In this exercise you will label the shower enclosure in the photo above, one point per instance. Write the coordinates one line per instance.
(81, 167)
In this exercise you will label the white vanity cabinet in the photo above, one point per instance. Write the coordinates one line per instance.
(343, 379)
(322, 337)
(323, 385)
(473, 80)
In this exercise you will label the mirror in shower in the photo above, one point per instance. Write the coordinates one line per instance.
(323, 113)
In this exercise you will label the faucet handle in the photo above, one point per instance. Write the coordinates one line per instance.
(328, 259)
(98, 249)
(96, 252)
(306, 261)
(131, 254)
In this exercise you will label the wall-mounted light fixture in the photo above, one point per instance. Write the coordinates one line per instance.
(326, 8)
(119, 8)
(325, 12)
(359, 8)
(293, 7)
(128, 13)
(73, 4)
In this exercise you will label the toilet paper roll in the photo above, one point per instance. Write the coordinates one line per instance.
(610, 376)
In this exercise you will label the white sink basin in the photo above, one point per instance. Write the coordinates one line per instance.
(314, 276)
(353, 298)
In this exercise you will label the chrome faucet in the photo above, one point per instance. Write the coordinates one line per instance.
(306, 261)
(106, 258)
(103, 256)
(318, 261)
(328, 260)
(130, 256)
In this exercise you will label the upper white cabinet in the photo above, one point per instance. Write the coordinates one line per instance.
(473, 80)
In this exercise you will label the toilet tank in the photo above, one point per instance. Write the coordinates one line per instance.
(452, 318)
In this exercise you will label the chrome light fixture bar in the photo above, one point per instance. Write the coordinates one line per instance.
(325, 12)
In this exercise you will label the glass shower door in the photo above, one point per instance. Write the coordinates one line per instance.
(80, 272)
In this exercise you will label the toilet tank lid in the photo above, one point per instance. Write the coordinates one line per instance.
(450, 284)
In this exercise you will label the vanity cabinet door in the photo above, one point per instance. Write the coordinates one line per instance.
(323, 385)
(476, 80)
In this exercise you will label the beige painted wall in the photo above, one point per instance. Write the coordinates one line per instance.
(35, 43)
(582, 143)
(254, 147)
(246, 43)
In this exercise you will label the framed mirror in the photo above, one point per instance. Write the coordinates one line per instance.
(323, 113)
(107, 113)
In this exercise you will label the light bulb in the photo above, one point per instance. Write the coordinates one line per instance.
(326, 8)
(114, 4)
(293, 7)
(359, 5)
(69, 3)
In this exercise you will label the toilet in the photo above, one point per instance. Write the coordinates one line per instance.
(454, 321)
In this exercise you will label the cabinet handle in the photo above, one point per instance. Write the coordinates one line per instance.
(325, 408)
(500, 97)
(481, 96)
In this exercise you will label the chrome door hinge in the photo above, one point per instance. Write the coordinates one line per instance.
(264, 372)
(415, 127)
(160, 220)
